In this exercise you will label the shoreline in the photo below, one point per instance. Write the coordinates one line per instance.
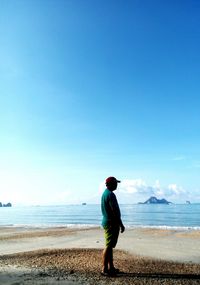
(165, 244)
(91, 226)
(72, 256)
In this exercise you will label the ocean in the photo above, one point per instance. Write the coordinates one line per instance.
(185, 216)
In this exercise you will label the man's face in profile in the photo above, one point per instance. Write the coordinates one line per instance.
(112, 186)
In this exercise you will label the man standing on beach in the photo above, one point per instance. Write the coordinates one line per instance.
(111, 223)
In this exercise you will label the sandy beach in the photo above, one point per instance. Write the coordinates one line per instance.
(73, 256)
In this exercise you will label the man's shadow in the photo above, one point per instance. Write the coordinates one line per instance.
(160, 275)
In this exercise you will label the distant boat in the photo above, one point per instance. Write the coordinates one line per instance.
(188, 202)
(84, 204)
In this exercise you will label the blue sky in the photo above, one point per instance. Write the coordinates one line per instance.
(90, 89)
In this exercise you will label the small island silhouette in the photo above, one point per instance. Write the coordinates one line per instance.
(154, 200)
(5, 205)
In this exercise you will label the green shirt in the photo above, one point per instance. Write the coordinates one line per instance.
(110, 209)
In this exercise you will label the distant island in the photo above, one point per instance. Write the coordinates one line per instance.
(5, 205)
(154, 200)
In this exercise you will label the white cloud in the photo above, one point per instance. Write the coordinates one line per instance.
(134, 186)
(174, 189)
(135, 190)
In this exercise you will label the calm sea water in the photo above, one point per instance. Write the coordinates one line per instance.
(164, 216)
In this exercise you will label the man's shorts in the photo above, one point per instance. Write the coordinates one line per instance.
(111, 235)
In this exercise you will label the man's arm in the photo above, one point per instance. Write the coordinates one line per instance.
(116, 212)
(122, 227)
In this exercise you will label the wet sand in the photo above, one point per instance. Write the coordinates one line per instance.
(73, 256)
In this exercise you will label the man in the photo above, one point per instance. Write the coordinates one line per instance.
(112, 224)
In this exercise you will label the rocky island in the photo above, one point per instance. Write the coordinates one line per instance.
(154, 200)
(5, 205)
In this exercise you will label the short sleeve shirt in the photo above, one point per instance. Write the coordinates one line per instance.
(110, 209)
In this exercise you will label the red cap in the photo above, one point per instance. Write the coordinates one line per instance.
(112, 179)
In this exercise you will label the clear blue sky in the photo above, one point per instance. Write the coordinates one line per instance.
(90, 89)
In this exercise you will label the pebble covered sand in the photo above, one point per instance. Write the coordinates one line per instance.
(83, 266)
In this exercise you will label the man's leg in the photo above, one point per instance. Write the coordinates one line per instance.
(110, 262)
(108, 266)
(106, 258)
(111, 236)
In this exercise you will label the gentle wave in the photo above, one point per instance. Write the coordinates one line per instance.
(46, 226)
(89, 226)
(165, 228)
